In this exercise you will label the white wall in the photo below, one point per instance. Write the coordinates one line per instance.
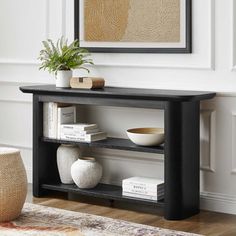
(211, 66)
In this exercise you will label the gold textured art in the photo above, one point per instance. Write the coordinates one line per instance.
(132, 21)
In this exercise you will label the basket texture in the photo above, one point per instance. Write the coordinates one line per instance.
(13, 184)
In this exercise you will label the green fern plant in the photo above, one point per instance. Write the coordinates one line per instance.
(61, 56)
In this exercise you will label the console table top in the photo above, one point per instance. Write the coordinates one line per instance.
(122, 93)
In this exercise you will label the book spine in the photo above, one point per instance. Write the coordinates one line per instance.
(78, 128)
(55, 117)
(58, 123)
(75, 115)
(45, 119)
(143, 186)
(76, 139)
(142, 196)
(51, 120)
(66, 131)
(85, 138)
(73, 135)
(133, 189)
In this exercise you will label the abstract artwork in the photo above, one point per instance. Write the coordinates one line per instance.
(153, 26)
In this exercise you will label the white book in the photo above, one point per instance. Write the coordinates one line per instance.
(48, 119)
(65, 115)
(86, 138)
(78, 127)
(145, 182)
(73, 132)
(131, 189)
(142, 196)
(142, 188)
(54, 120)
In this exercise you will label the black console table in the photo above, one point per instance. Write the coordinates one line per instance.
(181, 149)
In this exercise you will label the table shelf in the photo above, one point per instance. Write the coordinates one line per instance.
(105, 191)
(111, 143)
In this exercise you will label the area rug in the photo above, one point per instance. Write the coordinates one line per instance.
(46, 221)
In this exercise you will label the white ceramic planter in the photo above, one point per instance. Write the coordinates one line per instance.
(86, 172)
(66, 156)
(63, 78)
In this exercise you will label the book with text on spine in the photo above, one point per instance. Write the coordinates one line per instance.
(143, 185)
(78, 127)
(150, 192)
(49, 124)
(85, 138)
(73, 132)
(144, 182)
(65, 115)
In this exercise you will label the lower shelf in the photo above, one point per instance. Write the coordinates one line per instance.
(106, 191)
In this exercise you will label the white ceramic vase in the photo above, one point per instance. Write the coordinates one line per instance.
(86, 172)
(66, 156)
(63, 78)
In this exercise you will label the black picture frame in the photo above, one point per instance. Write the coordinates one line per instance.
(186, 49)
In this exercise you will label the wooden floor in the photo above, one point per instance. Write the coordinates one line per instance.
(206, 223)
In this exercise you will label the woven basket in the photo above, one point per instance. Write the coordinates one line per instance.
(13, 184)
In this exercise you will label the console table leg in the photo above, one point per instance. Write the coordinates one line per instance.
(181, 159)
(44, 164)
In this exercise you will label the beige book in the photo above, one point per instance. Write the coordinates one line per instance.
(87, 82)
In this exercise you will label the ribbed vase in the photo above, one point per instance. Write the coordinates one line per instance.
(13, 184)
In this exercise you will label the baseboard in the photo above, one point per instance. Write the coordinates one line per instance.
(218, 202)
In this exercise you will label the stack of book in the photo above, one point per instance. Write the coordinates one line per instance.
(80, 132)
(55, 114)
(143, 188)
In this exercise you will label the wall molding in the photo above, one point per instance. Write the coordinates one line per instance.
(6, 61)
(18, 83)
(15, 101)
(207, 151)
(233, 155)
(233, 35)
(25, 147)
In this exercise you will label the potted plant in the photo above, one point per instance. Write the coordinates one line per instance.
(61, 58)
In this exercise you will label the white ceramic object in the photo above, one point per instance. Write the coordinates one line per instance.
(146, 136)
(63, 78)
(66, 156)
(86, 172)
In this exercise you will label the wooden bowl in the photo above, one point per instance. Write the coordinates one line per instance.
(146, 136)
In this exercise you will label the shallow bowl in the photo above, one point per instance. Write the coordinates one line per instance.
(146, 136)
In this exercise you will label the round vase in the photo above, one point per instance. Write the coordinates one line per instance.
(86, 172)
(63, 78)
(66, 156)
(13, 184)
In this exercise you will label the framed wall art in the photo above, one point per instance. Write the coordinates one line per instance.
(134, 26)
